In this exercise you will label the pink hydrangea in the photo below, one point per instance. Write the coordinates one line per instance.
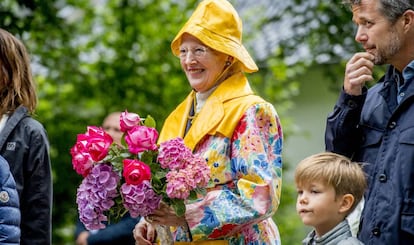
(200, 172)
(173, 154)
(179, 184)
(195, 174)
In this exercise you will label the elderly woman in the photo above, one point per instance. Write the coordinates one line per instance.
(237, 132)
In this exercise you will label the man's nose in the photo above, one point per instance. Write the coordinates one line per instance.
(361, 35)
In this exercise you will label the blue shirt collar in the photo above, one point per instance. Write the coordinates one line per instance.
(408, 71)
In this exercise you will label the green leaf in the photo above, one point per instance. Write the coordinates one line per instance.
(178, 206)
(193, 195)
(158, 186)
(149, 157)
(150, 122)
(201, 191)
(116, 213)
(125, 155)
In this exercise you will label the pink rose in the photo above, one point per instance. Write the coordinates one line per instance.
(97, 142)
(81, 160)
(135, 172)
(141, 138)
(129, 120)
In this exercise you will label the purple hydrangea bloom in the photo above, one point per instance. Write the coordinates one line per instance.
(140, 199)
(95, 195)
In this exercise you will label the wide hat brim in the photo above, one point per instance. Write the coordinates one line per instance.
(217, 25)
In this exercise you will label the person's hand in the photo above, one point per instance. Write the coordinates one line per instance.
(165, 215)
(358, 71)
(144, 233)
(82, 238)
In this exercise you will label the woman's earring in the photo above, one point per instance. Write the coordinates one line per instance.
(228, 63)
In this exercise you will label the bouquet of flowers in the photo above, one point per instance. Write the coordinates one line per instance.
(136, 176)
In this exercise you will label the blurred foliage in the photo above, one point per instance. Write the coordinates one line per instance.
(312, 32)
(94, 57)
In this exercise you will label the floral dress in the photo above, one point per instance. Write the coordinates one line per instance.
(246, 171)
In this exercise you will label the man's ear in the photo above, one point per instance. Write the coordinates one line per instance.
(347, 202)
(408, 20)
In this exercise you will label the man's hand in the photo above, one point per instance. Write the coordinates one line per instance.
(358, 71)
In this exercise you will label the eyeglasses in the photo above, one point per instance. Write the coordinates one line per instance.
(198, 52)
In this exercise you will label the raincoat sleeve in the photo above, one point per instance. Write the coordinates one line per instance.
(342, 134)
(248, 185)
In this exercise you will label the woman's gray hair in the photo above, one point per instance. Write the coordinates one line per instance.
(391, 9)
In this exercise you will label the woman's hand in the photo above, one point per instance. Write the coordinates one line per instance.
(144, 233)
(165, 215)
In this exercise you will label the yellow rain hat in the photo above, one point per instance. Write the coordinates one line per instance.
(217, 24)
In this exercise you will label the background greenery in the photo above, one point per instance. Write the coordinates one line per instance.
(93, 57)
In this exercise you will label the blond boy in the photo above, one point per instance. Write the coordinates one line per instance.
(329, 187)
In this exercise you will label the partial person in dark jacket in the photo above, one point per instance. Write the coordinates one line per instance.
(376, 126)
(9, 206)
(113, 233)
(23, 141)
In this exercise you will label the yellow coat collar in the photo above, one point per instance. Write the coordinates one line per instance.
(220, 114)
